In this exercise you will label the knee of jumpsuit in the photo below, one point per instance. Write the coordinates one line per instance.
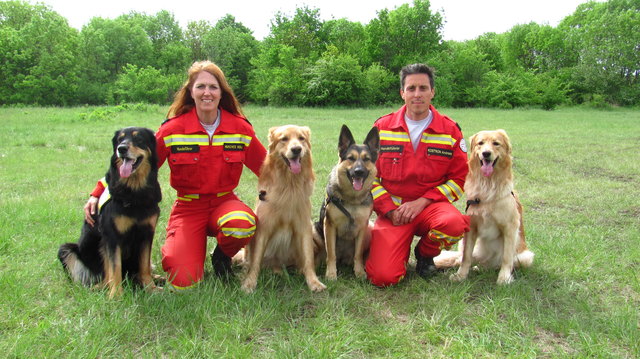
(446, 230)
(388, 253)
(180, 273)
(235, 230)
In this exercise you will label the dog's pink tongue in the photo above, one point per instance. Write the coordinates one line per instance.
(357, 184)
(294, 165)
(126, 168)
(487, 168)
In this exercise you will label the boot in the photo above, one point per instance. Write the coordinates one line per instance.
(221, 263)
(424, 265)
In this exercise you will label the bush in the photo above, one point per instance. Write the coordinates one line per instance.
(145, 84)
(335, 80)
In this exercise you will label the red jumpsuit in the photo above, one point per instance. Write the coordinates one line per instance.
(204, 172)
(437, 171)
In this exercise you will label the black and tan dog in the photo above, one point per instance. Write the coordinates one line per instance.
(344, 216)
(119, 243)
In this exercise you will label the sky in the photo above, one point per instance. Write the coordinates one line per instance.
(464, 19)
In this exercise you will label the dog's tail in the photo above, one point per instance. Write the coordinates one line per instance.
(69, 256)
(525, 258)
(448, 259)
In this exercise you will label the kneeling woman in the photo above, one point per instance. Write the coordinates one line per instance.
(207, 141)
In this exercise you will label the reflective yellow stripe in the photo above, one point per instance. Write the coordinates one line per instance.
(437, 234)
(377, 191)
(104, 198)
(394, 136)
(396, 200)
(446, 191)
(239, 232)
(176, 140)
(103, 181)
(219, 140)
(456, 189)
(438, 139)
(222, 194)
(236, 215)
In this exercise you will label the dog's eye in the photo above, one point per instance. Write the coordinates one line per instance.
(301, 138)
(284, 139)
(496, 143)
(351, 158)
(481, 143)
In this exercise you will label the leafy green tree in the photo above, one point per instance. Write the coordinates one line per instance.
(381, 87)
(335, 79)
(346, 36)
(607, 38)
(404, 35)
(194, 38)
(107, 46)
(303, 32)
(278, 77)
(231, 46)
(38, 54)
(145, 84)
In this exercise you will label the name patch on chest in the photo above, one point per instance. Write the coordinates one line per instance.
(185, 149)
(391, 148)
(234, 146)
(439, 152)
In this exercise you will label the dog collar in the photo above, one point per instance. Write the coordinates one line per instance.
(472, 202)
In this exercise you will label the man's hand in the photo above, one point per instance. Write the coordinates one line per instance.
(408, 211)
(90, 209)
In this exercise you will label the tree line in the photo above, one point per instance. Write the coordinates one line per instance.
(592, 56)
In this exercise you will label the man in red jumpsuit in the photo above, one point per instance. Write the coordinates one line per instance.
(421, 171)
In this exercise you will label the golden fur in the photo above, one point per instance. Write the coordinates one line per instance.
(496, 237)
(284, 233)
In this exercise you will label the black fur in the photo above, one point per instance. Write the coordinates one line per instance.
(134, 201)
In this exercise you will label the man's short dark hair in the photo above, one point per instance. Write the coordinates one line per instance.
(416, 69)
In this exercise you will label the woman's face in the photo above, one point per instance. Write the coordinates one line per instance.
(206, 92)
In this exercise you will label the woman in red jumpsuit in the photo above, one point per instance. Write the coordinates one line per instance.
(206, 141)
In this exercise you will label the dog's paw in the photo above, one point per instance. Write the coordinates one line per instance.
(316, 286)
(457, 277)
(248, 286)
(331, 274)
(359, 272)
(504, 279)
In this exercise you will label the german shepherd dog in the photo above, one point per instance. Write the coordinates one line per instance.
(284, 235)
(119, 243)
(496, 238)
(344, 217)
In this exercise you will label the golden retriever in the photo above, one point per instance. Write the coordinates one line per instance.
(284, 235)
(496, 237)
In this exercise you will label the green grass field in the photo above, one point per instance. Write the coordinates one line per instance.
(577, 171)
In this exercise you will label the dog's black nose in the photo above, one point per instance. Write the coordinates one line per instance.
(486, 154)
(296, 150)
(359, 172)
(122, 149)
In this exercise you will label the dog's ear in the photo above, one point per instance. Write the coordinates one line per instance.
(373, 142)
(345, 141)
(306, 131)
(272, 137)
(472, 141)
(505, 140)
(114, 140)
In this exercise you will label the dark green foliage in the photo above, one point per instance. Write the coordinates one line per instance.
(592, 57)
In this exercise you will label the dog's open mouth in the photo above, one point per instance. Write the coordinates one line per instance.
(487, 166)
(293, 163)
(128, 166)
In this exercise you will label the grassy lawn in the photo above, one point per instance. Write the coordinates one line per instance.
(577, 171)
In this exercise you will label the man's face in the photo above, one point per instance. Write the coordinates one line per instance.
(417, 95)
